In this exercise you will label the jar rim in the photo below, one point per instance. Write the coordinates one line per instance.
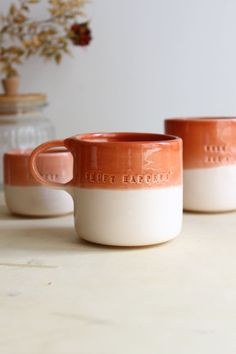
(22, 103)
(25, 98)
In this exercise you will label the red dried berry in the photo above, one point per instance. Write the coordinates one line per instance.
(80, 34)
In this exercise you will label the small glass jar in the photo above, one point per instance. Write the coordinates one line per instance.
(23, 124)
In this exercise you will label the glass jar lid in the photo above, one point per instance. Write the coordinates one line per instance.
(22, 103)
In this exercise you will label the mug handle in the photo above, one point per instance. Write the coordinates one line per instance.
(34, 169)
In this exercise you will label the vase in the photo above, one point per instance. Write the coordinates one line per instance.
(11, 85)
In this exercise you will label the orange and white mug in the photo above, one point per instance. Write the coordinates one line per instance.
(209, 161)
(127, 187)
(24, 195)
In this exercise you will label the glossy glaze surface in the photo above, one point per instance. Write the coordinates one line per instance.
(207, 142)
(122, 160)
(54, 166)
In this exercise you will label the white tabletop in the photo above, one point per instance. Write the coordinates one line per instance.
(60, 295)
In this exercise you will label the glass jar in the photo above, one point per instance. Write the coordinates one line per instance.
(23, 124)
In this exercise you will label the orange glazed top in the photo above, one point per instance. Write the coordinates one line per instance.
(125, 160)
(207, 141)
(54, 165)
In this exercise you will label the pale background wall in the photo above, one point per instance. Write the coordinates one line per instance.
(148, 60)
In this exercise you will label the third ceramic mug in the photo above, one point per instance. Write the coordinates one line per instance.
(127, 187)
(209, 151)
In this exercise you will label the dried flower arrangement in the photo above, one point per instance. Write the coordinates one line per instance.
(50, 38)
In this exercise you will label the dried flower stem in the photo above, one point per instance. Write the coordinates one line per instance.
(21, 37)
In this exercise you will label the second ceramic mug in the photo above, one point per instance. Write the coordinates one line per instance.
(24, 196)
(127, 187)
(209, 159)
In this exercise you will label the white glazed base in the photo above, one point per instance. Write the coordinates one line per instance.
(210, 189)
(128, 217)
(37, 201)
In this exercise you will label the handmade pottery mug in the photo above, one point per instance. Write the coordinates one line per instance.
(24, 195)
(127, 187)
(209, 160)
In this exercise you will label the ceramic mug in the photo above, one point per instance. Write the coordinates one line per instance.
(209, 160)
(24, 195)
(127, 187)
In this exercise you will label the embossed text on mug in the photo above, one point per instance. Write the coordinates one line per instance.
(103, 178)
(218, 154)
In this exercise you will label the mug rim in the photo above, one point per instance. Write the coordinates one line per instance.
(201, 119)
(125, 138)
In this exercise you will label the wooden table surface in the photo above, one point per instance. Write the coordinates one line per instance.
(61, 295)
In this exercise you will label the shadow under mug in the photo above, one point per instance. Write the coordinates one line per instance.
(209, 161)
(126, 187)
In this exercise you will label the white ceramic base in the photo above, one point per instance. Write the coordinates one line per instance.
(128, 217)
(37, 201)
(210, 189)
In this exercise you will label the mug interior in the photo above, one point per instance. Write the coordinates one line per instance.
(124, 137)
